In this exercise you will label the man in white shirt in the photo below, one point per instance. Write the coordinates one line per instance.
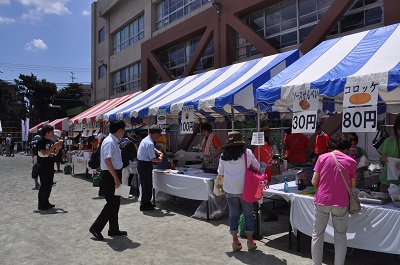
(111, 174)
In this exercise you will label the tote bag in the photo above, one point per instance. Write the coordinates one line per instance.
(253, 189)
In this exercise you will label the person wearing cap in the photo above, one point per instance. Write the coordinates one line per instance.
(46, 150)
(321, 141)
(233, 169)
(266, 153)
(211, 148)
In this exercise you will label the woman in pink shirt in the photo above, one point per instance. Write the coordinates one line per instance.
(332, 197)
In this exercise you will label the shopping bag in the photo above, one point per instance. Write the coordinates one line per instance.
(253, 189)
(242, 225)
(218, 185)
(96, 179)
(354, 203)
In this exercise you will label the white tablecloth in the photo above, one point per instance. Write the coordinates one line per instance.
(80, 162)
(375, 228)
(195, 187)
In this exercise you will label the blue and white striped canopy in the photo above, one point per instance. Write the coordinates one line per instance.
(365, 56)
(208, 92)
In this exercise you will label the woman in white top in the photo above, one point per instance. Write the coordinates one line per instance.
(232, 168)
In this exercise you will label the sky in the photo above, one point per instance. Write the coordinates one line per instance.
(46, 38)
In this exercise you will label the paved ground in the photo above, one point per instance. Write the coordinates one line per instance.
(165, 236)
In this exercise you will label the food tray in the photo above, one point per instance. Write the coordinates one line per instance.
(375, 201)
(378, 198)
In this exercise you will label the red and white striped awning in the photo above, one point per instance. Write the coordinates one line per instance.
(60, 124)
(96, 112)
(35, 128)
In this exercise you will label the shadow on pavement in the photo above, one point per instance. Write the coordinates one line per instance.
(51, 211)
(121, 243)
(254, 256)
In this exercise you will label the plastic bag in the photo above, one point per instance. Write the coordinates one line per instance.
(394, 189)
(217, 207)
(218, 189)
(242, 225)
(380, 137)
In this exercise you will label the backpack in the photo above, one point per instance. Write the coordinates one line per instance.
(94, 161)
(128, 152)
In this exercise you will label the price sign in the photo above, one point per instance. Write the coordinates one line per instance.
(78, 127)
(361, 119)
(304, 122)
(306, 99)
(187, 120)
(257, 138)
(360, 93)
(96, 125)
(162, 116)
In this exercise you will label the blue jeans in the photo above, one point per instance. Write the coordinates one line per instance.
(234, 202)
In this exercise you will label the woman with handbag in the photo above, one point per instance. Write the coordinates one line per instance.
(390, 152)
(332, 197)
(232, 167)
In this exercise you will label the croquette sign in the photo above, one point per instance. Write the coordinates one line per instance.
(360, 99)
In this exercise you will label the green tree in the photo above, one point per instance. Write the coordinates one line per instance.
(69, 97)
(38, 94)
(5, 100)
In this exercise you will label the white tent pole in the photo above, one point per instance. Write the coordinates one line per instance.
(148, 124)
(233, 118)
(258, 130)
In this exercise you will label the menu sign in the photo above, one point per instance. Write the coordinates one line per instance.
(186, 126)
(162, 117)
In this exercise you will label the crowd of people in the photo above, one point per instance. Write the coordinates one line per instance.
(7, 145)
(228, 160)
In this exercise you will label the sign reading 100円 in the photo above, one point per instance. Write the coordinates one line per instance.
(187, 120)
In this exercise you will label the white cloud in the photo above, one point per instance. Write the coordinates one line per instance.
(6, 20)
(86, 13)
(36, 45)
(42, 7)
(4, 2)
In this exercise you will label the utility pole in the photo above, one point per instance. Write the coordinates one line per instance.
(72, 77)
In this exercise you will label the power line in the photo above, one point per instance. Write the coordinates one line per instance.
(12, 66)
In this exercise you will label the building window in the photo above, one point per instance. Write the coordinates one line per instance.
(128, 79)
(361, 14)
(102, 34)
(288, 23)
(102, 71)
(176, 58)
(129, 35)
(168, 11)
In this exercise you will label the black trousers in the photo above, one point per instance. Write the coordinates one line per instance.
(110, 211)
(145, 170)
(46, 174)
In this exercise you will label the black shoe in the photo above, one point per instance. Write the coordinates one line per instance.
(50, 205)
(96, 234)
(43, 207)
(147, 207)
(117, 233)
(101, 193)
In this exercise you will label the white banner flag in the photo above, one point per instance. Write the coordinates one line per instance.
(23, 130)
(26, 129)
